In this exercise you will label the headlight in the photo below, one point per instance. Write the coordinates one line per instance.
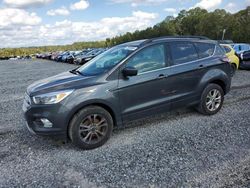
(51, 98)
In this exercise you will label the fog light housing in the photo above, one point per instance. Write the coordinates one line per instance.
(46, 123)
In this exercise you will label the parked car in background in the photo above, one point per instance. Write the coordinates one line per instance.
(66, 55)
(44, 55)
(127, 82)
(27, 57)
(245, 60)
(13, 58)
(241, 47)
(71, 57)
(234, 60)
(4, 58)
(90, 55)
(54, 55)
(78, 58)
(60, 56)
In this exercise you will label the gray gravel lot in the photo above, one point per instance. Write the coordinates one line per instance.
(176, 149)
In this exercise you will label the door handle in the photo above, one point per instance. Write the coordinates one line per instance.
(162, 76)
(201, 66)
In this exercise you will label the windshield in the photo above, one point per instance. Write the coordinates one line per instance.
(106, 61)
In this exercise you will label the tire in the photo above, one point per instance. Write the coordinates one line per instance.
(233, 69)
(205, 107)
(84, 131)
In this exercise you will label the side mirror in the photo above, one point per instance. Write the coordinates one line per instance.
(129, 71)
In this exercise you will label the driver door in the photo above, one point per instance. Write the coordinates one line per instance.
(147, 93)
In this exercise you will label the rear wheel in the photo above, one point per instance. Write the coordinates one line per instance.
(91, 127)
(211, 100)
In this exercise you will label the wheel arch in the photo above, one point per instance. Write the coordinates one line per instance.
(219, 77)
(116, 120)
(221, 83)
(235, 64)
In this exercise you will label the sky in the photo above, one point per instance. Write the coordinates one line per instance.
(25, 23)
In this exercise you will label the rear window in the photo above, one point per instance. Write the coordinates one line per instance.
(183, 52)
(204, 49)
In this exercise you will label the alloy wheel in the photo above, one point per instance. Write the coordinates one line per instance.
(213, 100)
(93, 128)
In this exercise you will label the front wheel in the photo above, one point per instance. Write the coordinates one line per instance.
(211, 100)
(91, 127)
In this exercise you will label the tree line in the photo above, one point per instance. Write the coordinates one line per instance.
(199, 22)
(195, 21)
(9, 52)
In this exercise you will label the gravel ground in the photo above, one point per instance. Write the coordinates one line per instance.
(176, 149)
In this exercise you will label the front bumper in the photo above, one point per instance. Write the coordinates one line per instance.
(54, 113)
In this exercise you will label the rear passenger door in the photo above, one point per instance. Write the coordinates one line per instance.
(187, 68)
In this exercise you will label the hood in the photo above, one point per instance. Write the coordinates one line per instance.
(61, 81)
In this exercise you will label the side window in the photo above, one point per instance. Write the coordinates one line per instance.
(148, 59)
(204, 49)
(219, 50)
(245, 47)
(183, 52)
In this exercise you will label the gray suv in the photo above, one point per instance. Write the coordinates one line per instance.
(127, 82)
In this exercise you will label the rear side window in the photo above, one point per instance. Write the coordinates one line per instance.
(219, 50)
(183, 52)
(204, 49)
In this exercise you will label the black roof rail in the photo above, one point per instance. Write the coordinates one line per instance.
(176, 37)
